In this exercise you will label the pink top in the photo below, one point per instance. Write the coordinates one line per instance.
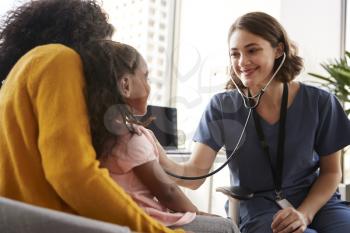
(131, 151)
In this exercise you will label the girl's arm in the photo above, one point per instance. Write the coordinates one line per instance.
(199, 163)
(320, 192)
(161, 186)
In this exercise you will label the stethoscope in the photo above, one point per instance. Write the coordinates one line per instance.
(246, 102)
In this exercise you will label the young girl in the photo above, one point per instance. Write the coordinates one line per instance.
(117, 91)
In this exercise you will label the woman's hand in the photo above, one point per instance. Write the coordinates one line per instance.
(289, 220)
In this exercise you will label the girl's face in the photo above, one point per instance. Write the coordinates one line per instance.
(252, 58)
(137, 90)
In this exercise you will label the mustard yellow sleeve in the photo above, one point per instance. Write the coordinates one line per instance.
(68, 158)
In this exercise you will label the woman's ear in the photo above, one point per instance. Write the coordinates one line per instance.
(124, 86)
(279, 50)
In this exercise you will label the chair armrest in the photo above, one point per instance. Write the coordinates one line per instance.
(236, 192)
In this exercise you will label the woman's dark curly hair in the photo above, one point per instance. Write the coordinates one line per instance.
(105, 63)
(39, 22)
(267, 27)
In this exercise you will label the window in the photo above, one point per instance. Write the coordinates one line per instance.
(150, 34)
(151, 22)
(161, 49)
(140, 26)
(159, 73)
(149, 59)
(160, 62)
(150, 47)
(162, 26)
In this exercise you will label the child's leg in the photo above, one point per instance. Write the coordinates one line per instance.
(332, 218)
(210, 224)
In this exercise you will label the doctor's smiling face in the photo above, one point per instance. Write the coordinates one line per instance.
(258, 45)
(252, 58)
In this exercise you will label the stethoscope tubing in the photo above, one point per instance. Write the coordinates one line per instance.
(249, 107)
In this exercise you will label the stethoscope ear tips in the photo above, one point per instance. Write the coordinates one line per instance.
(281, 55)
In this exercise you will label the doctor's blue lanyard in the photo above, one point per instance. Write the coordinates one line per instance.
(278, 172)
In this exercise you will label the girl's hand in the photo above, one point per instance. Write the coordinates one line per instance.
(289, 220)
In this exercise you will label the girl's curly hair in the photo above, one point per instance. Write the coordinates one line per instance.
(105, 62)
(39, 22)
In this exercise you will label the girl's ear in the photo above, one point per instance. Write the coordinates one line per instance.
(124, 86)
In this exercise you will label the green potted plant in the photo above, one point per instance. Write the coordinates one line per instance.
(338, 79)
(337, 82)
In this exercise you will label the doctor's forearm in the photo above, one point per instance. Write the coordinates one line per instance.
(319, 194)
(183, 169)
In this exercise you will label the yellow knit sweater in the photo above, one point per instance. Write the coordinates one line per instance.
(46, 155)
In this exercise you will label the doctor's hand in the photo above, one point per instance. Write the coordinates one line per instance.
(289, 220)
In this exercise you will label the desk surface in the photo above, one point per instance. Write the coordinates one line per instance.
(178, 152)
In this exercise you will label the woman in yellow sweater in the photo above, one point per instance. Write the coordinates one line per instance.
(46, 155)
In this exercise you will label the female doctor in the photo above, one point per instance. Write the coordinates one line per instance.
(292, 135)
